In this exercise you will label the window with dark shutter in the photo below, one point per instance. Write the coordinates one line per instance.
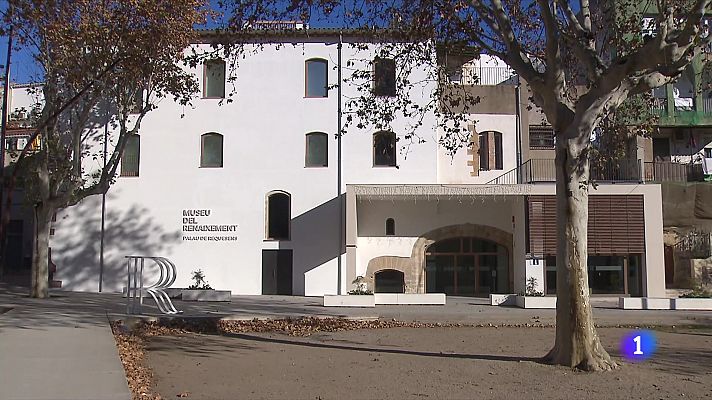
(384, 77)
(130, 156)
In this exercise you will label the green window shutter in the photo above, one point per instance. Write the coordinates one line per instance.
(317, 150)
(212, 150)
(130, 156)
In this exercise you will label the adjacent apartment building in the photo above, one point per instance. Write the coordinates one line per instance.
(264, 197)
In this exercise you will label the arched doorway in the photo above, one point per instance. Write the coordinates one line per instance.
(466, 266)
(389, 281)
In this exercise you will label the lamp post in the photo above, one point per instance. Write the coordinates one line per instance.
(3, 129)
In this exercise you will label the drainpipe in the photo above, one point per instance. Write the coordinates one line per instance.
(103, 202)
(338, 171)
(3, 130)
(518, 110)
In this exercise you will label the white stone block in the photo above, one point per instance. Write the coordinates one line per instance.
(354, 300)
(205, 295)
(536, 301)
(503, 299)
(386, 298)
(436, 299)
(630, 303)
(692, 304)
(651, 303)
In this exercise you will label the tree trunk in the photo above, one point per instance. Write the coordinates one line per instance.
(577, 343)
(40, 251)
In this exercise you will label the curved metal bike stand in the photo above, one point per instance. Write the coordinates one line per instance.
(136, 288)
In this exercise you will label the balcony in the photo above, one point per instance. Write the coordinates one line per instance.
(685, 111)
(666, 171)
(471, 74)
(544, 171)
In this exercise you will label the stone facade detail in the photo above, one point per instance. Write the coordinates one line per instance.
(413, 267)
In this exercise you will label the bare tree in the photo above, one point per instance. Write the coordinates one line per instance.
(582, 60)
(101, 62)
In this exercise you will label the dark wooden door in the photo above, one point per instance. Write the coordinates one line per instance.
(277, 272)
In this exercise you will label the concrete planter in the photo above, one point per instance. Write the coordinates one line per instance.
(432, 299)
(630, 303)
(536, 302)
(644, 303)
(650, 303)
(355, 300)
(689, 303)
(503, 299)
(205, 295)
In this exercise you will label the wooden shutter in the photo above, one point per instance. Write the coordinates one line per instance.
(616, 224)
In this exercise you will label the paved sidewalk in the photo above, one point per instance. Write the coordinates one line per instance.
(62, 347)
(52, 350)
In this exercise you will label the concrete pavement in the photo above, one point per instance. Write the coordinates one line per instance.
(52, 350)
(63, 348)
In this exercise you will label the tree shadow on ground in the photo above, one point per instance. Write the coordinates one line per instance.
(483, 357)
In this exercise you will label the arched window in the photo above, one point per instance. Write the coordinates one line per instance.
(130, 156)
(317, 151)
(211, 150)
(279, 215)
(214, 79)
(390, 227)
(316, 78)
(384, 149)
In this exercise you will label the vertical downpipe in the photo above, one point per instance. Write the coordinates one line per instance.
(3, 130)
(518, 111)
(103, 201)
(338, 172)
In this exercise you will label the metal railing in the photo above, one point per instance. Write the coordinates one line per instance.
(707, 105)
(658, 105)
(695, 244)
(544, 171)
(477, 75)
(667, 171)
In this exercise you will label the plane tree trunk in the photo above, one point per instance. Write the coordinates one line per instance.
(577, 342)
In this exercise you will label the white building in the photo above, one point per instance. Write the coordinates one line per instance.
(257, 195)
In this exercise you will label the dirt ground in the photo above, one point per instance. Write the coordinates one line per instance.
(420, 363)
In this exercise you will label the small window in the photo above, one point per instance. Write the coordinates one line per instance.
(130, 156)
(541, 137)
(484, 151)
(384, 77)
(317, 77)
(384, 149)
(278, 216)
(498, 161)
(390, 227)
(214, 79)
(211, 150)
(708, 152)
(317, 153)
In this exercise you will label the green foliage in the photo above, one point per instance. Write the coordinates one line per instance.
(698, 293)
(531, 288)
(360, 286)
(199, 278)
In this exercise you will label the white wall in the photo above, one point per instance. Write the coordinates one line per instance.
(413, 218)
(455, 169)
(264, 144)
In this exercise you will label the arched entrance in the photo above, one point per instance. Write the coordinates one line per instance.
(466, 266)
(389, 281)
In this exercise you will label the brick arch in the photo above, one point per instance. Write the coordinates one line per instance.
(413, 267)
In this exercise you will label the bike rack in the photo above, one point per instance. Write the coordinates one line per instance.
(136, 288)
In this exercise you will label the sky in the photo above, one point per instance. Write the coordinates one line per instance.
(24, 70)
